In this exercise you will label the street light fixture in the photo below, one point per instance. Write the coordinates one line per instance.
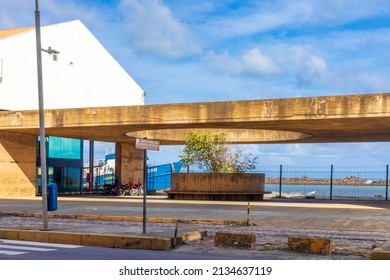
(53, 52)
(50, 51)
(41, 114)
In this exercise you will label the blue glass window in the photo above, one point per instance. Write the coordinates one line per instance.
(65, 148)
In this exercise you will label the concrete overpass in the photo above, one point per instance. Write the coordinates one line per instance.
(323, 119)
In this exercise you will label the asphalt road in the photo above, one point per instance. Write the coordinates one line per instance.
(354, 226)
(311, 214)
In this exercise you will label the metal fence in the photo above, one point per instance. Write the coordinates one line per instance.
(322, 182)
(159, 177)
(327, 182)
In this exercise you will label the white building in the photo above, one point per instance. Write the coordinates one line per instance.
(83, 74)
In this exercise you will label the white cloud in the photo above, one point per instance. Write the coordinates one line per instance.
(271, 15)
(223, 63)
(153, 29)
(343, 11)
(54, 11)
(253, 62)
(318, 151)
(297, 61)
(307, 67)
(257, 63)
(372, 82)
(264, 16)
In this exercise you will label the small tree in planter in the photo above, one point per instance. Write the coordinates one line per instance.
(210, 152)
(225, 179)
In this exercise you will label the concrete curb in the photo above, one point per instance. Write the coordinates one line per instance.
(85, 239)
(102, 240)
(381, 252)
(123, 218)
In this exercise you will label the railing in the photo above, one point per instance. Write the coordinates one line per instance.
(327, 182)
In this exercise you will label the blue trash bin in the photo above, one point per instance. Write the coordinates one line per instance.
(52, 191)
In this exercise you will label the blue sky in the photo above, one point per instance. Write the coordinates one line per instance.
(195, 51)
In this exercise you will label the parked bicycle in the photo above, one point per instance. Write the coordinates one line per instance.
(130, 188)
(109, 189)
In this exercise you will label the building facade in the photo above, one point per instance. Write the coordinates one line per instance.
(64, 164)
(79, 73)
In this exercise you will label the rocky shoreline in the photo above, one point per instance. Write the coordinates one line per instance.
(347, 181)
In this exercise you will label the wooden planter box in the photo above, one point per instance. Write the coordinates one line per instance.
(217, 186)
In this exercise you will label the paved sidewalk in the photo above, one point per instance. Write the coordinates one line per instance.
(350, 225)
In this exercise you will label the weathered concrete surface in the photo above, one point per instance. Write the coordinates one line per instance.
(348, 118)
(129, 163)
(17, 165)
(319, 246)
(101, 240)
(217, 186)
(218, 182)
(382, 252)
(235, 240)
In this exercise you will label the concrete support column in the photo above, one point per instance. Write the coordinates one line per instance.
(18, 165)
(129, 163)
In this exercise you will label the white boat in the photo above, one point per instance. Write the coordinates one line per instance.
(311, 194)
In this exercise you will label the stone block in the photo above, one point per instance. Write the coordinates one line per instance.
(320, 246)
(235, 240)
(381, 253)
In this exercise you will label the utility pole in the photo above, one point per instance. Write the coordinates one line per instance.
(145, 192)
(41, 118)
(91, 164)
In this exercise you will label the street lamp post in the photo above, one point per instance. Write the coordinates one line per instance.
(41, 118)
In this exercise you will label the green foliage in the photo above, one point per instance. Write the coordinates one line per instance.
(210, 152)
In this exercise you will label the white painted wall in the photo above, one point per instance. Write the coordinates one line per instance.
(84, 75)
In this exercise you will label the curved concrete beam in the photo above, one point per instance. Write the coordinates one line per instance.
(348, 118)
(235, 136)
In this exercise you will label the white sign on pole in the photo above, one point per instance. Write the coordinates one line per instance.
(146, 144)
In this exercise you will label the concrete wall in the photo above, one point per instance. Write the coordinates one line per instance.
(17, 165)
(217, 186)
(217, 182)
(84, 74)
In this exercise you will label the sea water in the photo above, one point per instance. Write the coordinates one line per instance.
(362, 191)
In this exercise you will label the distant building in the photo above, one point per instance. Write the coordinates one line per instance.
(81, 75)
(110, 162)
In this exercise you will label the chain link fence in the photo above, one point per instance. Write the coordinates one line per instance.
(327, 182)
